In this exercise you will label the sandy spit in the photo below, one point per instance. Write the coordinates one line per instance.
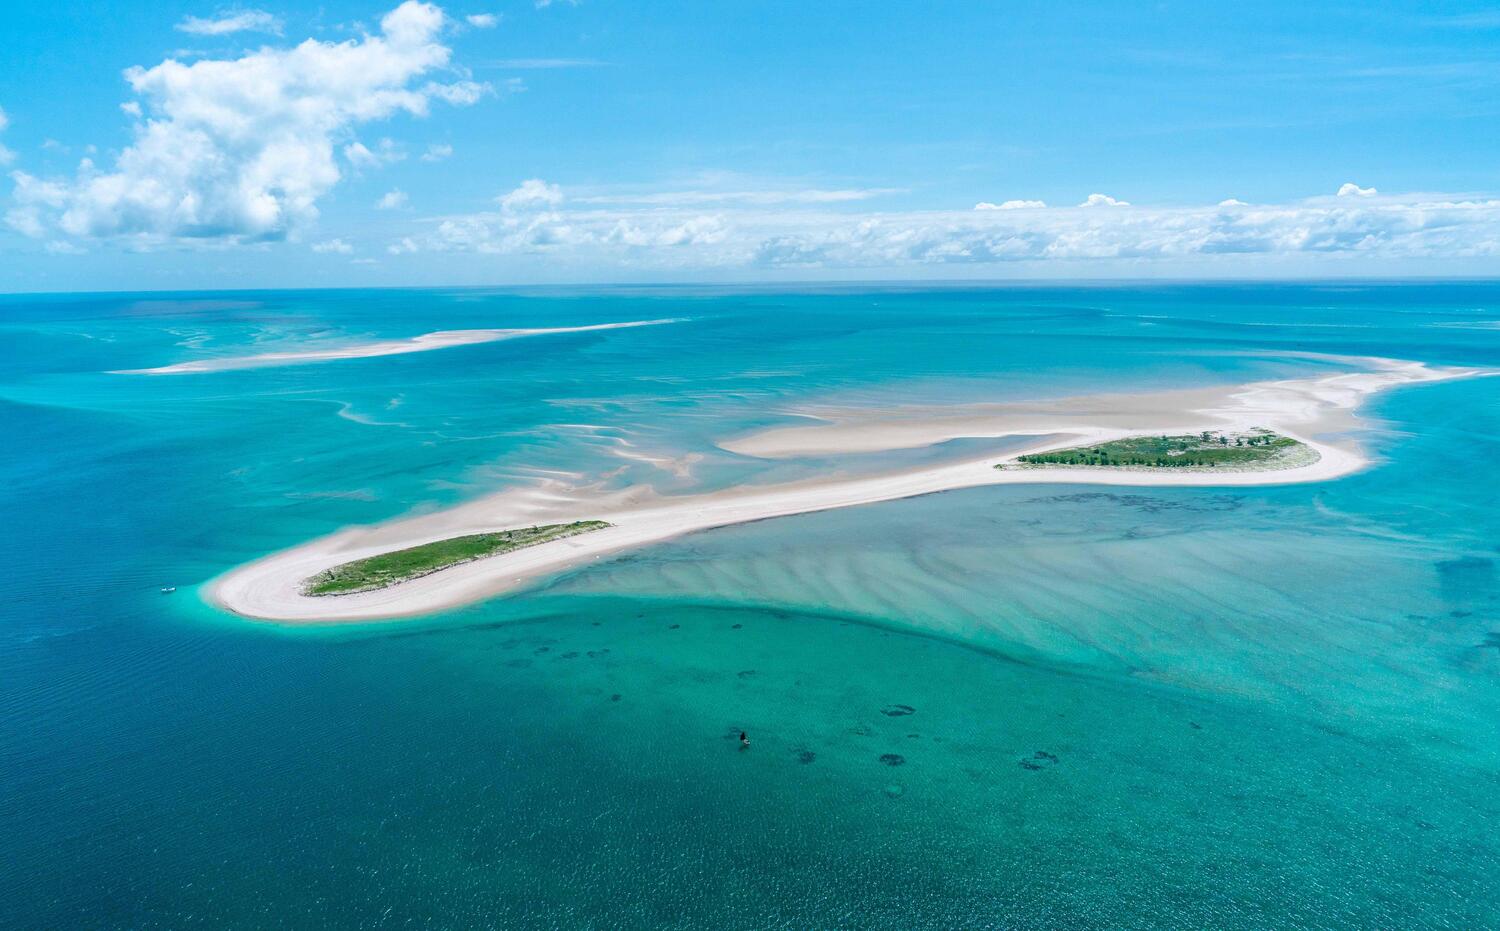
(270, 588)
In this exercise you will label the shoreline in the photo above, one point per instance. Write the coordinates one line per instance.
(269, 589)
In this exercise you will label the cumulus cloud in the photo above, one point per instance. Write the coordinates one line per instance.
(391, 200)
(437, 152)
(386, 152)
(760, 197)
(536, 219)
(1011, 205)
(231, 22)
(483, 20)
(242, 149)
(1351, 189)
(1231, 202)
(1103, 200)
(532, 194)
(333, 245)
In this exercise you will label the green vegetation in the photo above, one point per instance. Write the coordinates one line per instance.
(387, 569)
(1205, 450)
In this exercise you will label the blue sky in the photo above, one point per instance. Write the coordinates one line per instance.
(188, 145)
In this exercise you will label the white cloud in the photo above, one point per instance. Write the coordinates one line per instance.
(386, 152)
(483, 20)
(437, 152)
(533, 194)
(64, 247)
(392, 200)
(1011, 205)
(6, 155)
(762, 197)
(1351, 189)
(543, 4)
(1103, 200)
(333, 245)
(403, 246)
(242, 149)
(1231, 202)
(536, 220)
(459, 93)
(230, 22)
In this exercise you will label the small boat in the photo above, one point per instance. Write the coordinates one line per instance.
(169, 589)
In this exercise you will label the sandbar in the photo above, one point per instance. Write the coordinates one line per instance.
(1305, 409)
(440, 339)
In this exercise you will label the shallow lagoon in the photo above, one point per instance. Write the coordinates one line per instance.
(1180, 708)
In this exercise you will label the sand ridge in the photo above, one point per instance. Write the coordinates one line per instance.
(440, 339)
(270, 588)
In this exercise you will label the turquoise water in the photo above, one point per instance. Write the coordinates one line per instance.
(1003, 707)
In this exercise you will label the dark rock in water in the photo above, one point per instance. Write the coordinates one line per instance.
(1027, 764)
(615, 697)
(892, 759)
(1038, 760)
(541, 650)
(1195, 725)
(673, 626)
(897, 711)
(595, 654)
(596, 623)
(1491, 640)
(571, 654)
(1044, 755)
(912, 736)
(805, 756)
(735, 626)
(745, 673)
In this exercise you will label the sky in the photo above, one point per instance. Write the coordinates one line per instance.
(184, 145)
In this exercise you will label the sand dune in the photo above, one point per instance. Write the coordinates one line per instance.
(1303, 408)
(441, 339)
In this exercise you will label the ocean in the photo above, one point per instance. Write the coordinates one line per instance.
(1021, 706)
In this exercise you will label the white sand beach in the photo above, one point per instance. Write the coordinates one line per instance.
(1305, 409)
(426, 342)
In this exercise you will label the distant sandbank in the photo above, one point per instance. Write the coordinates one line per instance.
(1303, 409)
(441, 339)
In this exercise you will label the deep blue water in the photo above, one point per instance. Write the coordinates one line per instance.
(1188, 708)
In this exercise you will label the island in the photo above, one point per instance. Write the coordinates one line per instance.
(387, 569)
(1257, 449)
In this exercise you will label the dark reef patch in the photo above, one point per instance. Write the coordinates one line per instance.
(1039, 760)
(892, 759)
